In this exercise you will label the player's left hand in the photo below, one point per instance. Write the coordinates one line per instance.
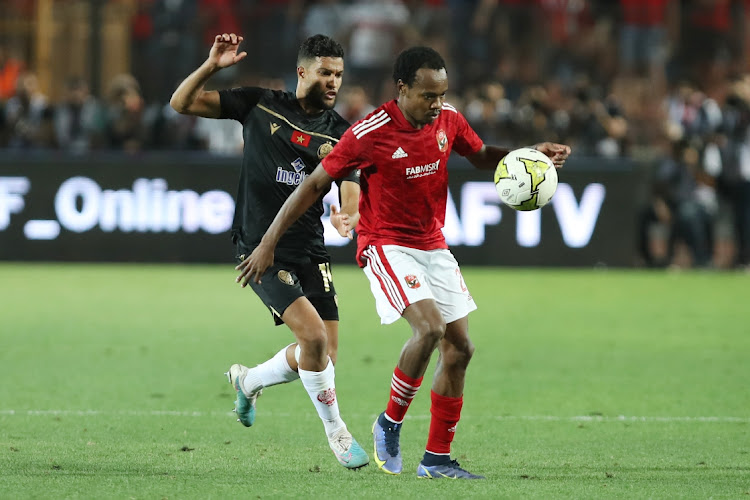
(558, 153)
(340, 220)
(255, 265)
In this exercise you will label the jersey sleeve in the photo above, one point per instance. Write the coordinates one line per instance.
(238, 102)
(345, 158)
(467, 141)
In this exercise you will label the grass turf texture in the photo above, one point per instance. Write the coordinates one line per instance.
(113, 387)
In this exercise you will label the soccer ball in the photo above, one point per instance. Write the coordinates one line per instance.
(525, 179)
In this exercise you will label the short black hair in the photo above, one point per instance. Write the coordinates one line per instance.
(410, 60)
(319, 46)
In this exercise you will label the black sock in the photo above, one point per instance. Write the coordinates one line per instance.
(430, 459)
(387, 424)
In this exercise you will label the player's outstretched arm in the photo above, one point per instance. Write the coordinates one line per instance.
(190, 98)
(488, 157)
(302, 198)
(346, 220)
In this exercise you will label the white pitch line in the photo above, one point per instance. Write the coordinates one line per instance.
(531, 418)
(623, 418)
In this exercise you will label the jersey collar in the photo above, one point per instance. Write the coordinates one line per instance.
(399, 119)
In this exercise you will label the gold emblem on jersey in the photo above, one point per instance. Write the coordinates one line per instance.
(274, 128)
(324, 149)
(286, 278)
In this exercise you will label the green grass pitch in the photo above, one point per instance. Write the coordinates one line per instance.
(584, 384)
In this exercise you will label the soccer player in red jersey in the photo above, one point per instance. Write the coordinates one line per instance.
(402, 150)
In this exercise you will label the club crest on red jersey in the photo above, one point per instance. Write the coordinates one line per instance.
(412, 281)
(442, 140)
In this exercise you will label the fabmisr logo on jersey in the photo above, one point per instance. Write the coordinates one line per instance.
(422, 170)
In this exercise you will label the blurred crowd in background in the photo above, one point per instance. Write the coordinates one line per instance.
(665, 82)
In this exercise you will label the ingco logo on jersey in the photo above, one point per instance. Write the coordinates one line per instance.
(422, 170)
(292, 178)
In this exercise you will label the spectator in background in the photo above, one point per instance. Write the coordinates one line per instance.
(220, 16)
(354, 103)
(125, 128)
(489, 112)
(220, 137)
(78, 119)
(431, 20)
(470, 22)
(571, 41)
(598, 123)
(709, 41)
(11, 68)
(375, 31)
(611, 129)
(734, 177)
(168, 129)
(271, 29)
(165, 37)
(681, 210)
(323, 16)
(644, 37)
(25, 113)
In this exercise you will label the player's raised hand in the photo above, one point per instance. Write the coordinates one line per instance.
(340, 221)
(558, 153)
(224, 50)
(255, 265)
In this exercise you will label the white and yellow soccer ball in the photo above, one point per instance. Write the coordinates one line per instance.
(525, 179)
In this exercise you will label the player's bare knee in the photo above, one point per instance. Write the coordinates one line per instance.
(457, 355)
(431, 332)
(313, 342)
(332, 355)
(468, 352)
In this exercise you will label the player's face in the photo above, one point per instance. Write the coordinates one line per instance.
(320, 81)
(423, 101)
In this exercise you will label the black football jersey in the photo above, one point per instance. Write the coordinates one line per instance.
(283, 145)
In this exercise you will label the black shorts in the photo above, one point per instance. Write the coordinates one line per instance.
(285, 282)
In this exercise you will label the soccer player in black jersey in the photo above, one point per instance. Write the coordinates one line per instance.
(286, 135)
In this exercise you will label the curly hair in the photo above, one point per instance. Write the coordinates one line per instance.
(410, 60)
(319, 46)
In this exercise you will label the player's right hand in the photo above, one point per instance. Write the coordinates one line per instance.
(340, 221)
(255, 265)
(224, 50)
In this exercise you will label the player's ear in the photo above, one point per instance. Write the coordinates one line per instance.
(301, 71)
(401, 87)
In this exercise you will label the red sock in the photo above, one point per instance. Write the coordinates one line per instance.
(403, 390)
(446, 413)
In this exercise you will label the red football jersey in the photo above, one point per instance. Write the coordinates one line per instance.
(404, 176)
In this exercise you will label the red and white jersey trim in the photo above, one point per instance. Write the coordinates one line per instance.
(449, 107)
(374, 122)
